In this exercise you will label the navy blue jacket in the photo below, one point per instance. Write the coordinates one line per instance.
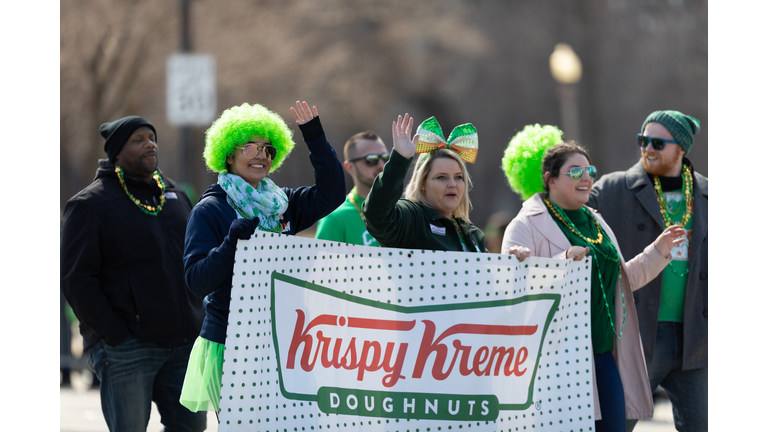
(209, 261)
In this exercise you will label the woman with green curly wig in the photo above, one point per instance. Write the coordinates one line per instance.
(243, 146)
(555, 179)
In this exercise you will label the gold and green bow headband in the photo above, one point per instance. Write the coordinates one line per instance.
(463, 139)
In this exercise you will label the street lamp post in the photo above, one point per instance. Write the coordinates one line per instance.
(565, 67)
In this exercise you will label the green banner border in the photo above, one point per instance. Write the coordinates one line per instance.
(407, 310)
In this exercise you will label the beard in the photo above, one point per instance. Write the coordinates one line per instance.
(365, 180)
(661, 168)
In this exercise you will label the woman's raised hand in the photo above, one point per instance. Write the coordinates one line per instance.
(668, 239)
(401, 136)
(521, 252)
(303, 115)
(577, 252)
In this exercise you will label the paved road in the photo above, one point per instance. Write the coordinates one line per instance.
(81, 412)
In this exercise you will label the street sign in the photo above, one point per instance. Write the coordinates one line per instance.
(191, 89)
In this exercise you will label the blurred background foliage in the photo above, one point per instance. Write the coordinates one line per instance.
(363, 62)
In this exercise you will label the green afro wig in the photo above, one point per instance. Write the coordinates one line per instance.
(522, 158)
(239, 124)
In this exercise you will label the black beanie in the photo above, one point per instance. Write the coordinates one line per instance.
(117, 133)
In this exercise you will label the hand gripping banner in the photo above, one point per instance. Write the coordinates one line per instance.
(327, 336)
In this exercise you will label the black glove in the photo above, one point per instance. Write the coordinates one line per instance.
(241, 229)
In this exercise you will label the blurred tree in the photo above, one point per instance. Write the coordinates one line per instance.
(363, 62)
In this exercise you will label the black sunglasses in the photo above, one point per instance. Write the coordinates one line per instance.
(658, 144)
(372, 159)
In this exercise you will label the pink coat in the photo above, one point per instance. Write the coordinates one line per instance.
(535, 229)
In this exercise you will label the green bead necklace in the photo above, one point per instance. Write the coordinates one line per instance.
(152, 211)
(458, 230)
(615, 258)
(351, 197)
(665, 214)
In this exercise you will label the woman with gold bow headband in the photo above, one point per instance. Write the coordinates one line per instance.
(435, 212)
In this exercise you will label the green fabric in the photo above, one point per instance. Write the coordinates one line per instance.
(682, 127)
(202, 383)
(345, 225)
(672, 306)
(401, 223)
(602, 333)
(267, 202)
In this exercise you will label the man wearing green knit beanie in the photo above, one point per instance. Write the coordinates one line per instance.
(660, 190)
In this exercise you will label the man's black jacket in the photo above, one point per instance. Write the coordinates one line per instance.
(121, 269)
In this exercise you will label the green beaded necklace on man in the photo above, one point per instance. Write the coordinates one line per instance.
(152, 211)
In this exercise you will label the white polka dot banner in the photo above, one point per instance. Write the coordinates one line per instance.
(327, 336)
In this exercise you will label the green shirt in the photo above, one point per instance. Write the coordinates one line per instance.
(675, 276)
(602, 332)
(345, 224)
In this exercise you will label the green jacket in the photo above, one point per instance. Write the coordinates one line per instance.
(401, 223)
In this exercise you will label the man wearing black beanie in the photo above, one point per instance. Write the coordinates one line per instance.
(122, 240)
(662, 189)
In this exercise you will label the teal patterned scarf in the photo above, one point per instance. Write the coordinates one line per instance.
(267, 201)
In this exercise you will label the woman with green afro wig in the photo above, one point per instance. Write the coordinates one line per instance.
(236, 126)
(556, 179)
(244, 145)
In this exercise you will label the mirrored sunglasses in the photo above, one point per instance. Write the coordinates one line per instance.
(577, 173)
(658, 144)
(250, 151)
(372, 159)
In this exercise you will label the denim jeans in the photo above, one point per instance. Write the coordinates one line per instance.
(610, 393)
(133, 375)
(687, 390)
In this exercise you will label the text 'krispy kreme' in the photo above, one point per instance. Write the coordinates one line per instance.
(317, 340)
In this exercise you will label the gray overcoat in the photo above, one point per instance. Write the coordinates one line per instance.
(627, 201)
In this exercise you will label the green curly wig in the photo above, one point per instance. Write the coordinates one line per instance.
(239, 124)
(522, 158)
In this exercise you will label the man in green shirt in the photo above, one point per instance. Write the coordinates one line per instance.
(364, 158)
(660, 190)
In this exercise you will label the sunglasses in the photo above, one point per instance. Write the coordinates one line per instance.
(372, 159)
(250, 151)
(577, 173)
(658, 144)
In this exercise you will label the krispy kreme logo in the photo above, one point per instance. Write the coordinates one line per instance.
(452, 362)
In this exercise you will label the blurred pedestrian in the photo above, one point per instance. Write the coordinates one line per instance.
(435, 212)
(556, 224)
(122, 273)
(364, 157)
(243, 146)
(65, 344)
(661, 190)
(494, 229)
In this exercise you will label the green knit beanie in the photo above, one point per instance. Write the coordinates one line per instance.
(682, 127)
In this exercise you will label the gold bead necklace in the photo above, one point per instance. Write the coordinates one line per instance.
(687, 196)
(567, 222)
(152, 211)
(351, 197)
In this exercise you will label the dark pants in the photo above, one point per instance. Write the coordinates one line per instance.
(133, 375)
(610, 393)
(687, 390)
